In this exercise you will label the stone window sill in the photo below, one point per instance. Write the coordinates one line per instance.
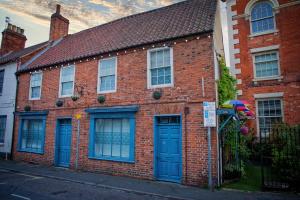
(263, 33)
(279, 78)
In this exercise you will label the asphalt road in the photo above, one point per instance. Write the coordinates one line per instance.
(18, 186)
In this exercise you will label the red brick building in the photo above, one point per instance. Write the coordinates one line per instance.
(136, 85)
(264, 41)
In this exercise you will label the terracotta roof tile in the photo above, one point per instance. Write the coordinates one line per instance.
(13, 56)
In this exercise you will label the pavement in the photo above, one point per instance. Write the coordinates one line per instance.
(27, 181)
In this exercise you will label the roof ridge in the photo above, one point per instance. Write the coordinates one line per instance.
(133, 15)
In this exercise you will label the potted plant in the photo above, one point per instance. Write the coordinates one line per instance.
(75, 97)
(101, 99)
(59, 103)
(157, 95)
(27, 108)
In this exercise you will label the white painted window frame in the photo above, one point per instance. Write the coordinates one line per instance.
(149, 85)
(266, 77)
(116, 76)
(267, 96)
(30, 91)
(60, 83)
(248, 12)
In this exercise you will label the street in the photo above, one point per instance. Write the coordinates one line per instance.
(20, 186)
(36, 182)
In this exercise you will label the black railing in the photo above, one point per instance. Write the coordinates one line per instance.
(280, 158)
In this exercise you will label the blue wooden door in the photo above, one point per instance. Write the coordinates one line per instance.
(168, 152)
(63, 142)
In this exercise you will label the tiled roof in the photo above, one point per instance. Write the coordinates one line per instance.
(11, 57)
(174, 21)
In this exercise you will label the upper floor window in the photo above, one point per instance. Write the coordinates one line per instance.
(107, 75)
(35, 86)
(2, 128)
(1, 80)
(266, 64)
(262, 17)
(160, 67)
(67, 81)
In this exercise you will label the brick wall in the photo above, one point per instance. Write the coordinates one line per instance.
(192, 61)
(288, 39)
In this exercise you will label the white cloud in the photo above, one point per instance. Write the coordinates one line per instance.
(81, 15)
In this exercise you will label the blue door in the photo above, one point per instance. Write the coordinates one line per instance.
(168, 149)
(63, 142)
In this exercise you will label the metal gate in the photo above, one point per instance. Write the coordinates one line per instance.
(280, 162)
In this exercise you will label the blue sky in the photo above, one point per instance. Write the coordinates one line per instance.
(34, 15)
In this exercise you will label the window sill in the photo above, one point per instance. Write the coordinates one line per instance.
(34, 99)
(112, 159)
(107, 92)
(279, 78)
(1, 144)
(263, 33)
(30, 151)
(160, 86)
(65, 96)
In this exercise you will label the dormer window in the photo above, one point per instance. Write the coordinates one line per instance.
(262, 17)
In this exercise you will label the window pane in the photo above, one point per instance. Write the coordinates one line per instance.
(269, 113)
(67, 88)
(107, 74)
(125, 138)
(262, 17)
(1, 80)
(160, 68)
(32, 133)
(116, 137)
(107, 83)
(266, 65)
(112, 138)
(2, 128)
(107, 67)
(67, 74)
(35, 92)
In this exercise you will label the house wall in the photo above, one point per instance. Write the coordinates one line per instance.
(7, 104)
(286, 37)
(193, 60)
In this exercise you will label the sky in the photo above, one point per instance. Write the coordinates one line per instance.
(34, 15)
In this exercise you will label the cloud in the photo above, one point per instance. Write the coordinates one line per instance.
(82, 15)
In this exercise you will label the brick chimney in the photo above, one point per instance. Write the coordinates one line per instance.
(13, 39)
(59, 26)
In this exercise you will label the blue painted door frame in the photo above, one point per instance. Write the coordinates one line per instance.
(63, 142)
(168, 150)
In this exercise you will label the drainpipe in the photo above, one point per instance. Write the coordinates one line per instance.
(77, 143)
(14, 127)
(186, 112)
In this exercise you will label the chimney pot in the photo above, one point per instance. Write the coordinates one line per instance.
(22, 31)
(9, 26)
(14, 28)
(57, 8)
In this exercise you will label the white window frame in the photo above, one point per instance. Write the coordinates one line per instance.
(149, 85)
(98, 78)
(264, 97)
(273, 4)
(60, 83)
(30, 91)
(266, 77)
